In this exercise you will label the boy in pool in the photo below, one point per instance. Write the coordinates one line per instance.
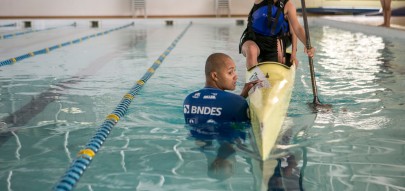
(213, 104)
(266, 39)
(212, 113)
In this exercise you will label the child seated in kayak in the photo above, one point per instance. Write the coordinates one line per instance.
(272, 27)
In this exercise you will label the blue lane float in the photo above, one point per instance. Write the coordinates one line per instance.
(6, 36)
(9, 25)
(46, 50)
(69, 180)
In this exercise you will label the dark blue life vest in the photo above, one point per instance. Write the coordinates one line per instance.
(269, 29)
(212, 113)
(261, 23)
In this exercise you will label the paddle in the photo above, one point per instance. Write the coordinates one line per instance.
(316, 103)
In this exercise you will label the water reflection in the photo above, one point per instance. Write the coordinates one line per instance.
(348, 62)
(221, 144)
(355, 148)
(218, 143)
(350, 65)
(392, 75)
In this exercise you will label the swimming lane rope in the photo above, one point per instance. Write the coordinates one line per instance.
(9, 25)
(46, 50)
(30, 31)
(85, 156)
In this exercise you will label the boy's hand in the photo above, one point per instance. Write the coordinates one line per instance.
(247, 87)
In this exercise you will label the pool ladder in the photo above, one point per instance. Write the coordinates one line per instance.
(139, 6)
(223, 5)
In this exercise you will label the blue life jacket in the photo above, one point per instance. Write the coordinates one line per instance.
(212, 113)
(276, 25)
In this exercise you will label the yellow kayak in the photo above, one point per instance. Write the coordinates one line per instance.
(263, 171)
(268, 102)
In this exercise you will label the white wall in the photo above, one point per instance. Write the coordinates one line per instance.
(167, 8)
(347, 3)
(194, 7)
(64, 7)
(58, 8)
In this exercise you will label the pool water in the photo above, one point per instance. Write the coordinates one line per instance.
(52, 104)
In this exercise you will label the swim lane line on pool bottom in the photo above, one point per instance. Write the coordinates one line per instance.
(85, 156)
(46, 50)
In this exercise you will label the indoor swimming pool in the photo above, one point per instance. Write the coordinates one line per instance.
(52, 103)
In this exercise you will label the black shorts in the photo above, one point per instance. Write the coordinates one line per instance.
(266, 44)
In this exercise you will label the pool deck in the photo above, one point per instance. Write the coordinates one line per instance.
(365, 24)
(397, 22)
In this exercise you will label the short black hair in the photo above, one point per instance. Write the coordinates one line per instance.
(213, 60)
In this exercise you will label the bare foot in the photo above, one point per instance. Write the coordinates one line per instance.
(384, 25)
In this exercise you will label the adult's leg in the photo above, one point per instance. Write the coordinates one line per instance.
(388, 12)
(386, 7)
(251, 51)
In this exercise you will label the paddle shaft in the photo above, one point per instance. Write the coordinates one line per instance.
(304, 165)
(308, 46)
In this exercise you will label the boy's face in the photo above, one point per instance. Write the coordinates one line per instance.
(226, 75)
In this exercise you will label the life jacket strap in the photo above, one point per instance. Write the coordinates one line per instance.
(275, 19)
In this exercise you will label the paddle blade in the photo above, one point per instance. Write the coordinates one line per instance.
(320, 107)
